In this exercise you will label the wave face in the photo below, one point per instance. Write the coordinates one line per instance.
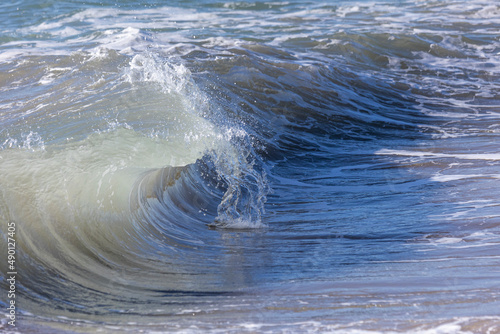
(250, 166)
(127, 175)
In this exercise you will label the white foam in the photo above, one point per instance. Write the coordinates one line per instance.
(448, 240)
(126, 41)
(430, 155)
(488, 12)
(346, 10)
(447, 178)
(112, 28)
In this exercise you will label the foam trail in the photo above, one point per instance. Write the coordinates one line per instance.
(430, 155)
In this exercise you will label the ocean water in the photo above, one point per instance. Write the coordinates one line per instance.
(264, 167)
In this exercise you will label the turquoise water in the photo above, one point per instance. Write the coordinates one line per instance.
(299, 166)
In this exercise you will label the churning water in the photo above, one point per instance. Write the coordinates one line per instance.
(209, 166)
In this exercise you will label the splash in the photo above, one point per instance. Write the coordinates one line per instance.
(228, 145)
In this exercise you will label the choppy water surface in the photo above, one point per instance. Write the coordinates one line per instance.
(251, 166)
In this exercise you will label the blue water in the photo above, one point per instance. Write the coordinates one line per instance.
(206, 166)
